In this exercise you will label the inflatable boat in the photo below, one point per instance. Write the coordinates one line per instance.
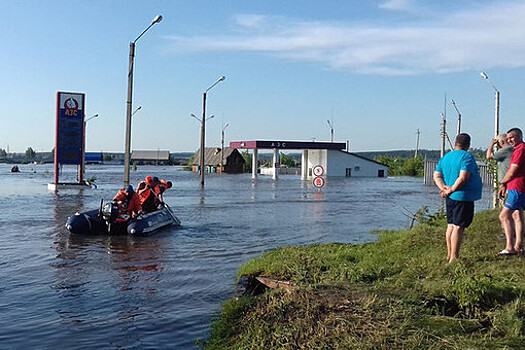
(103, 221)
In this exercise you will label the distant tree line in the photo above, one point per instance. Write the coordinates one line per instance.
(403, 166)
(415, 166)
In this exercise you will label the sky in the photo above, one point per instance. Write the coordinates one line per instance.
(379, 70)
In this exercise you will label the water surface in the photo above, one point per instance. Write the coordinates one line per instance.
(163, 291)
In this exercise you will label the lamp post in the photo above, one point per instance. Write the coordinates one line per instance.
(331, 130)
(459, 116)
(203, 127)
(202, 132)
(496, 107)
(82, 169)
(127, 150)
(495, 199)
(222, 145)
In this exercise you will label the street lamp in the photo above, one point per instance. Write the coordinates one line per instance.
(222, 146)
(200, 121)
(495, 199)
(331, 130)
(88, 119)
(496, 111)
(203, 126)
(127, 151)
(136, 110)
(459, 116)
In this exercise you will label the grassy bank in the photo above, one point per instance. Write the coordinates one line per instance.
(398, 292)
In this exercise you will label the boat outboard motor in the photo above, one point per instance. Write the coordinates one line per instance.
(110, 212)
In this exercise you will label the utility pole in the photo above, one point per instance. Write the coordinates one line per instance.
(459, 116)
(331, 125)
(417, 144)
(443, 134)
(222, 147)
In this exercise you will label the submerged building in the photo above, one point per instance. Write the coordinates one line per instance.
(331, 157)
(217, 160)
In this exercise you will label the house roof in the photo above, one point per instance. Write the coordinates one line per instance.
(370, 160)
(212, 155)
(150, 155)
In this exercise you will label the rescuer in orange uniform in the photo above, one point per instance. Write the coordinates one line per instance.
(128, 204)
(164, 185)
(149, 191)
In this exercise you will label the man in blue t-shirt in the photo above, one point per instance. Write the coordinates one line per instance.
(457, 176)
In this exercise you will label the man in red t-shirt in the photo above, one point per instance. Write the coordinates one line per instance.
(513, 183)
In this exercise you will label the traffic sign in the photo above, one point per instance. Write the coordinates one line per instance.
(318, 182)
(318, 170)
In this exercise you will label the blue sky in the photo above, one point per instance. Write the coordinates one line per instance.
(379, 69)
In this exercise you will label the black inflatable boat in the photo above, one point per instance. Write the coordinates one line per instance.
(103, 221)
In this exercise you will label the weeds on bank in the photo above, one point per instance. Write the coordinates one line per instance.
(398, 292)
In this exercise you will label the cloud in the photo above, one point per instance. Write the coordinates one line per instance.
(481, 38)
(396, 5)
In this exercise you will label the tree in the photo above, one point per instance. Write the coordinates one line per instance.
(30, 153)
(403, 167)
(287, 161)
(247, 167)
(3, 153)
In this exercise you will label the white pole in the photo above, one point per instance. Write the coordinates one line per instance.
(275, 163)
(254, 163)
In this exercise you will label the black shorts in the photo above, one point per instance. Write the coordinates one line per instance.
(460, 213)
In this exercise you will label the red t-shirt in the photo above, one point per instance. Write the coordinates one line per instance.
(518, 183)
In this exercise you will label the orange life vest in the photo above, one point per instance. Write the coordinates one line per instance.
(128, 205)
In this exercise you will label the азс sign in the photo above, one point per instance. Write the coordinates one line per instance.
(69, 128)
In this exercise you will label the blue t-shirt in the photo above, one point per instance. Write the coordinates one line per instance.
(450, 166)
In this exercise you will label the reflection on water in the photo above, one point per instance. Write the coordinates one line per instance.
(162, 291)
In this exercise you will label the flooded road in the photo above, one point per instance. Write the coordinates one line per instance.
(163, 291)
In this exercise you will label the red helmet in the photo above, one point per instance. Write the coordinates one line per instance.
(149, 180)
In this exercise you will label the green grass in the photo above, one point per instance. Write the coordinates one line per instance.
(396, 293)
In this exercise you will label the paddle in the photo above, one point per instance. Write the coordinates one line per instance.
(165, 205)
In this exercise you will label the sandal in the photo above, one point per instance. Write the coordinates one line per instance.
(506, 252)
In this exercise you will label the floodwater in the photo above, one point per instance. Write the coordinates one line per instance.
(163, 291)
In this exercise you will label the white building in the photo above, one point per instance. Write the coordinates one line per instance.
(331, 156)
(339, 163)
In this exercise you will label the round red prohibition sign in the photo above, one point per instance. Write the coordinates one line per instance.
(318, 182)
(318, 170)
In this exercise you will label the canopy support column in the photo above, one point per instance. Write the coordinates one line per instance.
(276, 164)
(254, 163)
(304, 165)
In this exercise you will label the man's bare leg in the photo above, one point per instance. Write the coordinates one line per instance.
(455, 242)
(517, 217)
(507, 221)
(448, 235)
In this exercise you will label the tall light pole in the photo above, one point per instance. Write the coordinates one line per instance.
(495, 199)
(496, 108)
(459, 116)
(82, 169)
(127, 150)
(203, 127)
(200, 121)
(331, 130)
(417, 143)
(222, 145)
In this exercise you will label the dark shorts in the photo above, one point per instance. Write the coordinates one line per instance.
(460, 213)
